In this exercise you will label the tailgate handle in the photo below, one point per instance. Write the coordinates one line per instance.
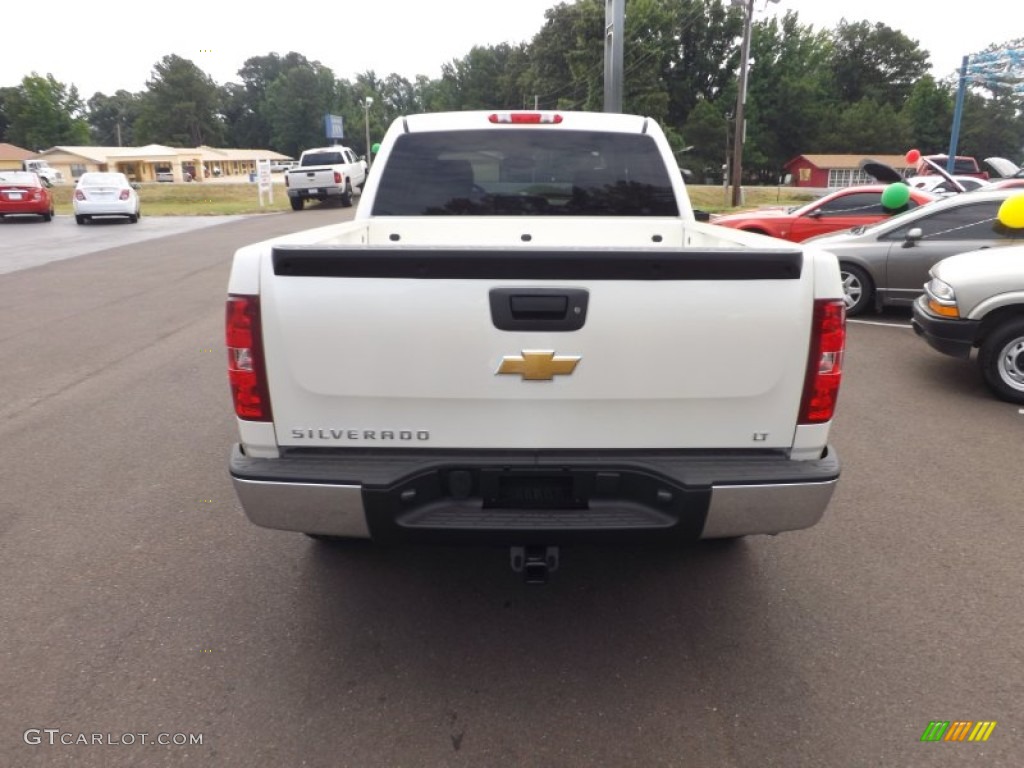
(528, 307)
(538, 309)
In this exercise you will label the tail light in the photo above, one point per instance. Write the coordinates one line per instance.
(79, 195)
(246, 372)
(124, 195)
(825, 363)
(525, 118)
(337, 177)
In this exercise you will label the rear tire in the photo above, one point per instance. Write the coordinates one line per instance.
(48, 216)
(79, 219)
(346, 198)
(296, 203)
(1001, 359)
(858, 289)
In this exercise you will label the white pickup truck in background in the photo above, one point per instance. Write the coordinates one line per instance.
(525, 337)
(47, 173)
(325, 173)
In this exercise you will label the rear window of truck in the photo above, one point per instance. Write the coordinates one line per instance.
(533, 171)
(323, 158)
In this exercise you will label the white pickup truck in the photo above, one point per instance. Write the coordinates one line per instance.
(525, 337)
(325, 173)
(48, 174)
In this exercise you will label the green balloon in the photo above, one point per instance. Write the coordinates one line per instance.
(895, 195)
(375, 148)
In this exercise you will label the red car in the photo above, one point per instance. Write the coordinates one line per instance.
(839, 210)
(21, 192)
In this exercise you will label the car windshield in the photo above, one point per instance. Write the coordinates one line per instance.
(525, 172)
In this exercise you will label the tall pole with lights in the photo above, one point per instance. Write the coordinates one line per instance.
(367, 103)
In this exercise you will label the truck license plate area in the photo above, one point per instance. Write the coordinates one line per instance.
(514, 490)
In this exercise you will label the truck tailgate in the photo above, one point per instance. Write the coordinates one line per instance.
(476, 348)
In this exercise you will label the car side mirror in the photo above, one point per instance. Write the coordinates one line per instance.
(913, 235)
(700, 215)
(136, 185)
(815, 214)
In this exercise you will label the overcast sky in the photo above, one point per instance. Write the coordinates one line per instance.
(109, 46)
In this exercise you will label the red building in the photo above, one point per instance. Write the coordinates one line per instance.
(836, 171)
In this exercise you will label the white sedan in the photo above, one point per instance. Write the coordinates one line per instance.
(105, 194)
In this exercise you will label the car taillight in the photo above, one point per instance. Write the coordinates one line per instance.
(825, 362)
(525, 118)
(246, 372)
(79, 195)
(123, 195)
(337, 177)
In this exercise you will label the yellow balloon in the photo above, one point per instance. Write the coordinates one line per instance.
(1011, 212)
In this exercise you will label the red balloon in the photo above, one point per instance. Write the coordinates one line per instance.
(913, 156)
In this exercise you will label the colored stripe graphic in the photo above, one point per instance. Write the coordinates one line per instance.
(982, 731)
(958, 730)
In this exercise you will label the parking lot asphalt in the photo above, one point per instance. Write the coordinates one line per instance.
(138, 598)
(29, 241)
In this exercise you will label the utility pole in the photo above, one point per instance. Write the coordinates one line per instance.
(741, 102)
(367, 103)
(614, 31)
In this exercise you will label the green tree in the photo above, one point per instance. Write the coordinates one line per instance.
(876, 62)
(246, 106)
(868, 127)
(297, 101)
(489, 77)
(789, 95)
(182, 106)
(928, 114)
(566, 58)
(704, 55)
(112, 118)
(708, 131)
(990, 127)
(43, 113)
(6, 95)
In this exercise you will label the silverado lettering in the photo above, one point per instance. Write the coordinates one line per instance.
(357, 434)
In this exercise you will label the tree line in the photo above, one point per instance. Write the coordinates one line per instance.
(858, 88)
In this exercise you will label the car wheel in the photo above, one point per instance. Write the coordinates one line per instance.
(79, 219)
(296, 203)
(857, 289)
(1001, 360)
(134, 218)
(346, 198)
(48, 216)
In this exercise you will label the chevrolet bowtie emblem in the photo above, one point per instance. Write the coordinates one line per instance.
(538, 364)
